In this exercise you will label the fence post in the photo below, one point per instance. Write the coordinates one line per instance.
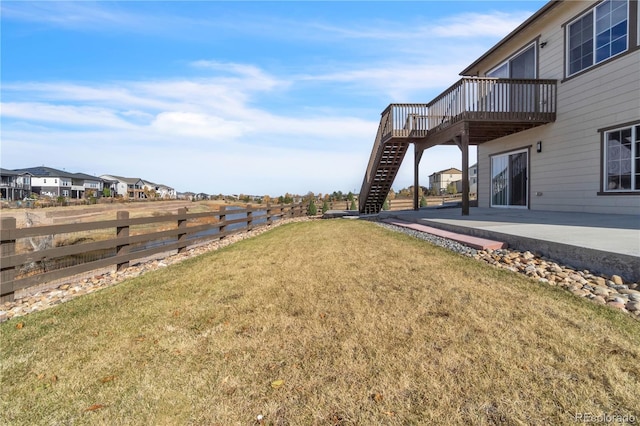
(182, 225)
(249, 218)
(122, 231)
(269, 219)
(7, 248)
(223, 219)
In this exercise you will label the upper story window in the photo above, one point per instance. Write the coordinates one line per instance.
(520, 65)
(599, 34)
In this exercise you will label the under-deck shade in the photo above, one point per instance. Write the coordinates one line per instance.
(483, 108)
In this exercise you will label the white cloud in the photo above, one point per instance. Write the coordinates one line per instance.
(204, 134)
(494, 24)
(63, 115)
(197, 125)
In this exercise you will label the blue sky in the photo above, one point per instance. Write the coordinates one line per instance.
(231, 97)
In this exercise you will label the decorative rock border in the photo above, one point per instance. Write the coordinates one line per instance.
(45, 298)
(611, 291)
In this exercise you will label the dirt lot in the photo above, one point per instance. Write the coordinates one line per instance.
(97, 212)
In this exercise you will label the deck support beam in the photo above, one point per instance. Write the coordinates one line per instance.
(463, 143)
(416, 185)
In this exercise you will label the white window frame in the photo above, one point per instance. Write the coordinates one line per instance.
(635, 137)
(594, 62)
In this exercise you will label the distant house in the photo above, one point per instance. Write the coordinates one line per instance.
(47, 181)
(129, 188)
(553, 109)
(89, 186)
(14, 185)
(439, 181)
(159, 190)
(186, 195)
(473, 179)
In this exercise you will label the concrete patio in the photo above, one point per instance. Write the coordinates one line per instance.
(607, 244)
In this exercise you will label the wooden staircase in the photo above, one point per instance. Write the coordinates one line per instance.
(481, 109)
(388, 158)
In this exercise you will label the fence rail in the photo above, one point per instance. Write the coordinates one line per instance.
(122, 247)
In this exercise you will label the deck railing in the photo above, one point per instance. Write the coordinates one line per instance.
(470, 98)
(474, 98)
(16, 185)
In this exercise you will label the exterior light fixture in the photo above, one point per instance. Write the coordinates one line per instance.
(539, 146)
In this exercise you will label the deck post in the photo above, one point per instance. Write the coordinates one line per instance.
(464, 146)
(416, 181)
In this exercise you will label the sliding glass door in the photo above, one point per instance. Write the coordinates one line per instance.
(509, 179)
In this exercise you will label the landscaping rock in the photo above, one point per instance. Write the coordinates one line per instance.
(602, 290)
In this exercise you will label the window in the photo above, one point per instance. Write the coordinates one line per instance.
(521, 65)
(597, 35)
(622, 159)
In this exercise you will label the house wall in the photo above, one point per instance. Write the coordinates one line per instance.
(440, 181)
(473, 180)
(566, 175)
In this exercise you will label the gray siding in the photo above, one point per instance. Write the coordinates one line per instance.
(567, 172)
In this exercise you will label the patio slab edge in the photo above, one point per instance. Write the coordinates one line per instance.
(596, 261)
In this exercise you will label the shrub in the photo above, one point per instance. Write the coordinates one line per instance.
(312, 210)
(423, 201)
(325, 206)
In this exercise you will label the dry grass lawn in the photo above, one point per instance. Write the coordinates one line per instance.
(322, 322)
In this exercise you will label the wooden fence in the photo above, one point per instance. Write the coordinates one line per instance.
(120, 248)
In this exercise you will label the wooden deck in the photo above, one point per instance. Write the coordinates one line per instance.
(471, 112)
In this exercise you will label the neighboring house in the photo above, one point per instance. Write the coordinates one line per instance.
(473, 179)
(554, 111)
(441, 180)
(84, 186)
(186, 195)
(14, 185)
(50, 182)
(111, 185)
(129, 188)
(159, 190)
